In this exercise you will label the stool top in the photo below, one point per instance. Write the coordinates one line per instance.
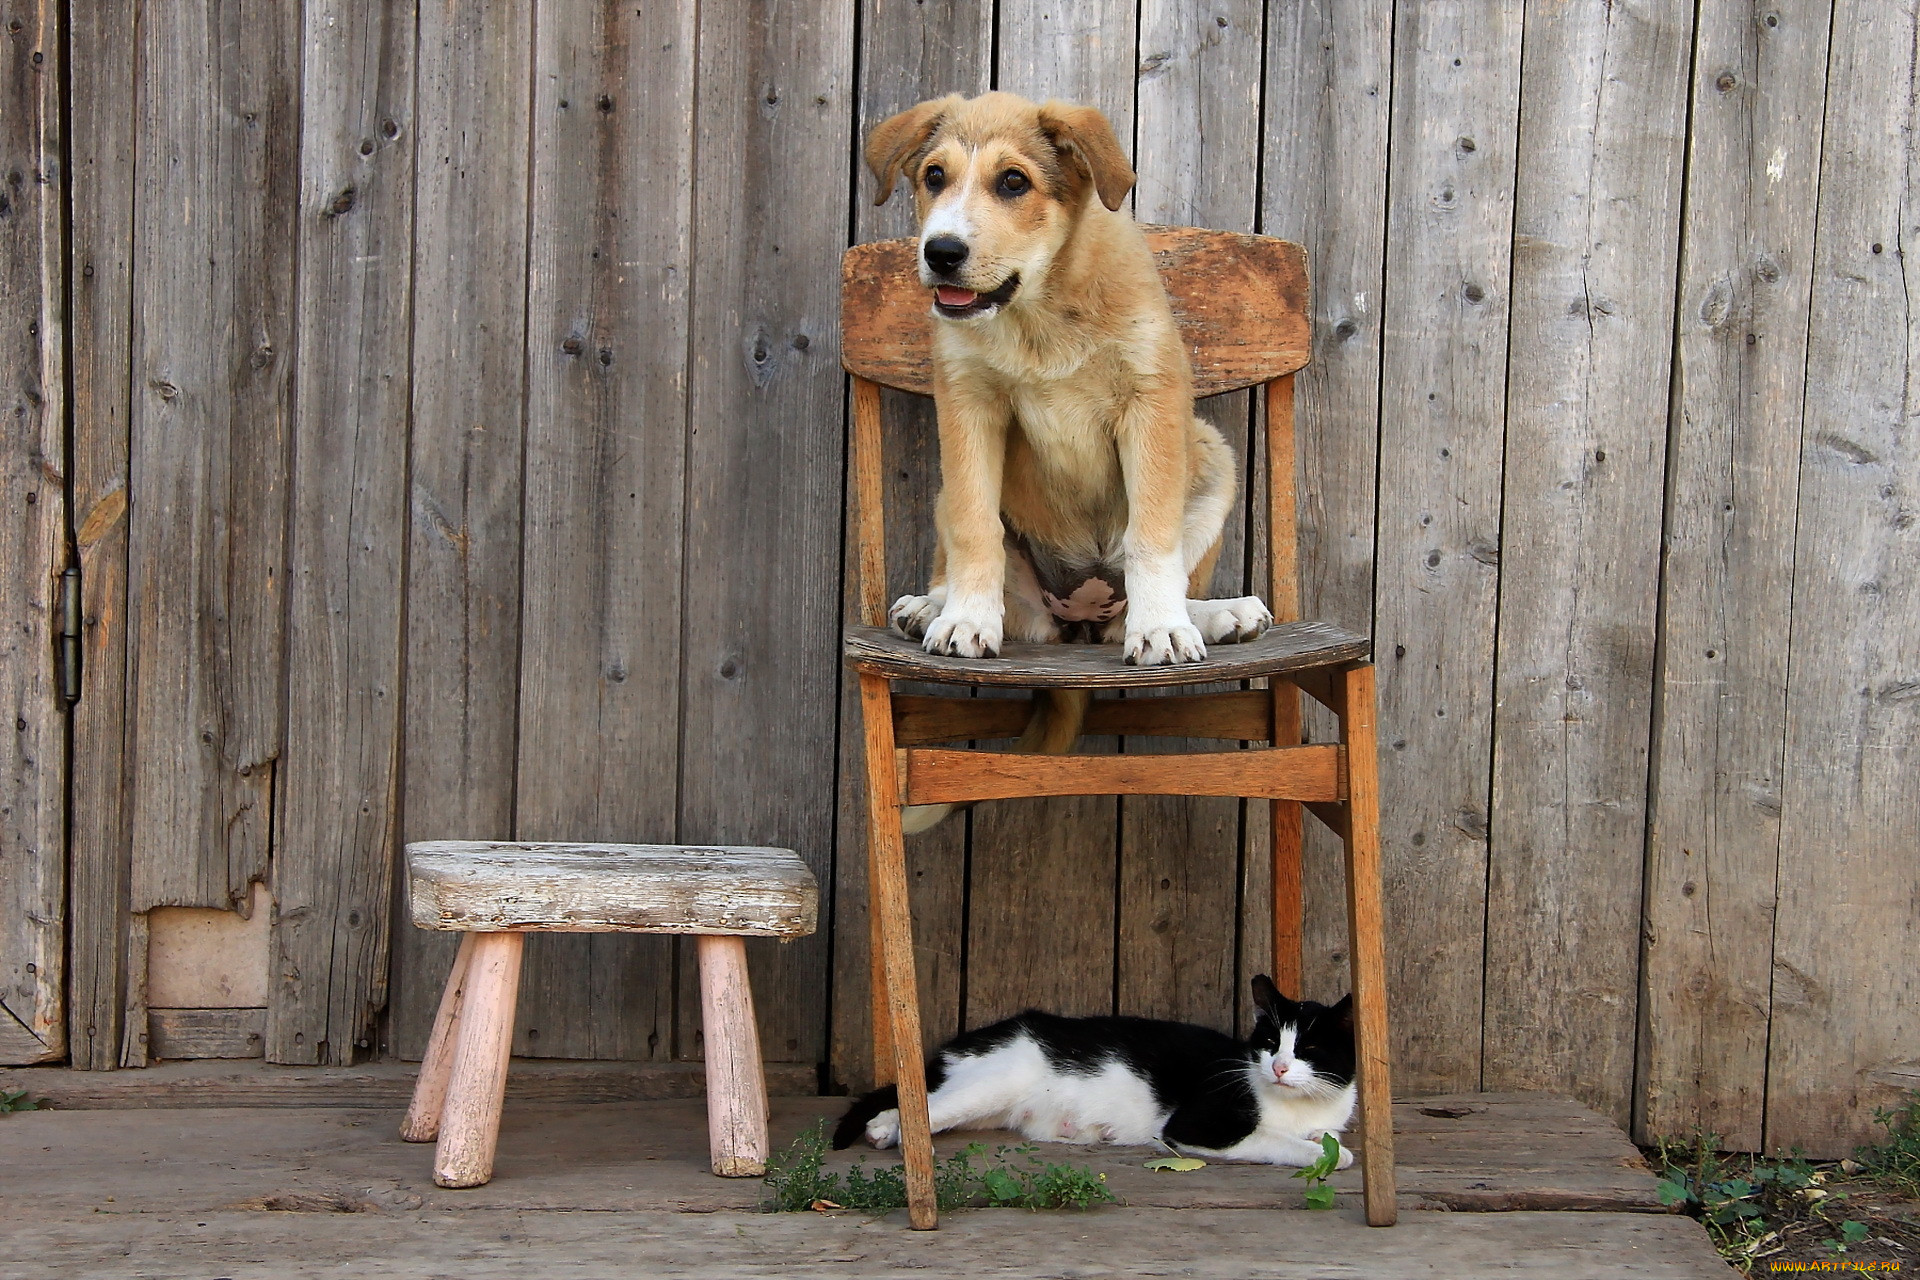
(485, 886)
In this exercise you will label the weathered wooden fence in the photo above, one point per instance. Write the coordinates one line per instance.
(443, 409)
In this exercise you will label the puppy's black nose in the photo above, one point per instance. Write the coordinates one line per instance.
(944, 253)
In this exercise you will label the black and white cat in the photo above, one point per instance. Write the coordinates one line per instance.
(1135, 1081)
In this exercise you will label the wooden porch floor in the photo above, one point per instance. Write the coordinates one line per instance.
(621, 1188)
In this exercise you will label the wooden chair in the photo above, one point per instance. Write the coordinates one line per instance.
(1242, 305)
(497, 893)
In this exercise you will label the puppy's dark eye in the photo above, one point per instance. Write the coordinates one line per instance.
(935, 178)
(1013, 182)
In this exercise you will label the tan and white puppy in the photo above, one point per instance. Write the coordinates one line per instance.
(1080, 497)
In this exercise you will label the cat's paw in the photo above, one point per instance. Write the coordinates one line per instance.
(1345, 1161)
(883, 1130)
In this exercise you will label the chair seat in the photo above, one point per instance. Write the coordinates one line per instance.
(1292, 646)
(483, 886)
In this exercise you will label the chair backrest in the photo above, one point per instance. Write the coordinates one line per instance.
(1241, 302)
(1242, 305)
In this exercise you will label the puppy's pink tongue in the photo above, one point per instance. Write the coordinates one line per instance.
(952, 297)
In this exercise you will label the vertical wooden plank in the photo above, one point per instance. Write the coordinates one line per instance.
(469, 362)
(1323, 185)
(33, 517)
(100, 291)
(764, 457)
(1197, 142)
(214, 221)
(606, 436)
(1080, 50)
(1042, 900)
(338, 788)
(1759, 87)
(908, 52)
(1596, 227)
(1846, 1031)
(1456, 97)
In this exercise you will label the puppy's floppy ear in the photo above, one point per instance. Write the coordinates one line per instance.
(1083, 135)
(898, 138)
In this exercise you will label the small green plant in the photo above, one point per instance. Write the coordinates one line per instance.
(1895, 1163)
(797, 1180)
(17, 1100)
(1731, 1197)
(1319, 1195)
(1755, 1207)
(1851, 1232)
(1035, 1184)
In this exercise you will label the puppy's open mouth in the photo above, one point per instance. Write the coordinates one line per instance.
(956, 303)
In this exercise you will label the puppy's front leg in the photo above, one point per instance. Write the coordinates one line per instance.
(973, 450)
(1152, 439)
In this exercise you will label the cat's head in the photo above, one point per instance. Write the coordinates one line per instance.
(1301, 1048)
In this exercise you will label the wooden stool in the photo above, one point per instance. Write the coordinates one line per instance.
(497, 893)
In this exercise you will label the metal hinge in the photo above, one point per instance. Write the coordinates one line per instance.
(70, 634)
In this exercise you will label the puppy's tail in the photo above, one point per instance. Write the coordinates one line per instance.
(853, 1125)
(1052, 729)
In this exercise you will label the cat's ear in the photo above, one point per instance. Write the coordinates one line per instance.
(1343, 1012)
(1267, 999)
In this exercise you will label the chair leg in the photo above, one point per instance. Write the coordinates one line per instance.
(483, 1041)
(1367, 945)
(430, 1090)
(893, 928)
(877, 994)
(1286, 822)
(736, 1084)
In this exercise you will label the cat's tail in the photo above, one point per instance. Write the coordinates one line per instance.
(1052, 729)
(853, 1125)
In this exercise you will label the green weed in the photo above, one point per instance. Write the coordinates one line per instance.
(1754, 1207)
(1895, 1163)
(1319, 1195)
(797, 1180)
(17, 1100)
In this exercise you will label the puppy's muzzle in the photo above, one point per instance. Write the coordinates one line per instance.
(945, 254)
(956, 303)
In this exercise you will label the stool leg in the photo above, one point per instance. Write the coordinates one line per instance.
(483, 1041)
(736, 1085)
(1368, 948)
(430, 1091)
(893, 913)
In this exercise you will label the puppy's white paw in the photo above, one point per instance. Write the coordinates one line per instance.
(912, 615)
(964, 633)
(1163, 646)
(883, 1130)
(1229, 621)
